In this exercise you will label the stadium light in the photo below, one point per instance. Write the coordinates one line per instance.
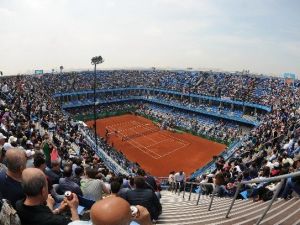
(96, 60)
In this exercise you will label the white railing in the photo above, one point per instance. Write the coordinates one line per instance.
(102, 154)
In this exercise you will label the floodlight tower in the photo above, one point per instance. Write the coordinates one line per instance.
(96, 60)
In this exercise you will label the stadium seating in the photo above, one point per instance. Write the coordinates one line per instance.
(33, 120)
(177, 210)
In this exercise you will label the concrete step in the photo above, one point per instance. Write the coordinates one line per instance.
(217, 216)
(252, 217)
(208, 216)
(177, 210)
(203, 209)
(290, 218)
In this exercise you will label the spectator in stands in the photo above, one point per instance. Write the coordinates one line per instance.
(150, 181)
(67, 184)
(144, 197)
(3, 167)
(54, 173)
(10, 181)
(39, 161)
(293, 183)
(120, 215)
(91, 187)
(220, 185)
(126, 188)
(115, 187)
(37, 208)
(29, 156)
(171, 180)
(79, 172)
(180, 179)
(46, 146)
(2, 140)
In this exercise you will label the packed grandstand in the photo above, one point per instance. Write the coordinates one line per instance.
(43, 129)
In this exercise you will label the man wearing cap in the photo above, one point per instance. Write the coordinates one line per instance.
(293, 183)
(29, 155)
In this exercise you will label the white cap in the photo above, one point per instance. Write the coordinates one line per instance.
(2, 136)
(29, 142)
(7, 146)
(12, 139)
(29, 153)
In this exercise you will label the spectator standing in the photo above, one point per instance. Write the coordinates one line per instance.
(293, 183)
(180, 178)
(171, 180)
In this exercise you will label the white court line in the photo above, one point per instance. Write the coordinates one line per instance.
(178, 139)
(145, 136)
(158, 143)
(124, 123)
(176, 149)
(146, 148)
(141, 149)
(141, 146)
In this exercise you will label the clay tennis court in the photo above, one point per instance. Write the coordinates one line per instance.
(157, 151)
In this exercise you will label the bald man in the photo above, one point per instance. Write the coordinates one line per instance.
(37, 208)
(116, 211)
(111, 211)
(10, 181)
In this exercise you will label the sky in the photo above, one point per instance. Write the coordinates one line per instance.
(262, 36)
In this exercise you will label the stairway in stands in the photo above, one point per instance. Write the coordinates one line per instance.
(177, 210)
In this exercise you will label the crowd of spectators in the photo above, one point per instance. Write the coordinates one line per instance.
(212, 128)
(271, 149)
(38, 156)
(216, 129)
(257, 89)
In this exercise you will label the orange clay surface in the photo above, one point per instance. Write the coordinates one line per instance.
(157, 151)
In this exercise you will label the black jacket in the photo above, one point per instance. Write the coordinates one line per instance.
(146, 198)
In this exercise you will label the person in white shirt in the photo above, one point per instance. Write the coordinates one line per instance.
(4, 89)
(180, 179)
(171, 180)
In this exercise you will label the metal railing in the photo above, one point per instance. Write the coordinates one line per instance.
(108, 161)
(176, 187)
(281, 178)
